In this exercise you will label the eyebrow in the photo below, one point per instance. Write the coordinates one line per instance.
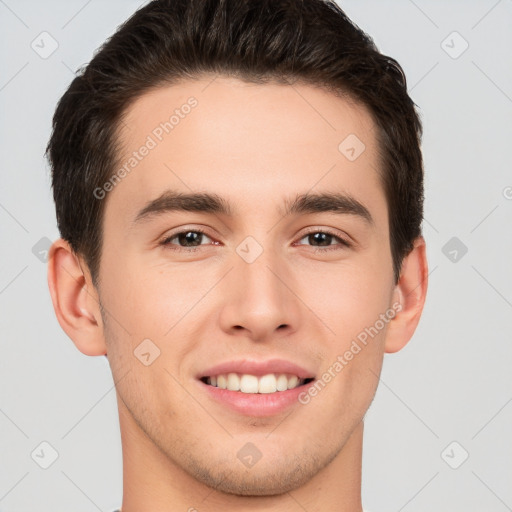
(176, 201)
(170, 201)
(328, 202)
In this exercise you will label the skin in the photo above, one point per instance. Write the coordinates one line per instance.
(256, 146)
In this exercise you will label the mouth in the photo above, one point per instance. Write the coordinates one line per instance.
(253, 387)
(252, 384)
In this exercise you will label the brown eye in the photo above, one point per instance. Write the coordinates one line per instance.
(186, 240)
(323, 240)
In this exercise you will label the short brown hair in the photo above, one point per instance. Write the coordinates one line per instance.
(258, 41)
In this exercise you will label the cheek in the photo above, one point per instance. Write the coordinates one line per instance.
(348, 296)
(352, 306)
(150, 300)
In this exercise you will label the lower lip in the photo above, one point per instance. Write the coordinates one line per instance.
(256, 404)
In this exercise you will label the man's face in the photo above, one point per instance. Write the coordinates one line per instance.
(258, 285)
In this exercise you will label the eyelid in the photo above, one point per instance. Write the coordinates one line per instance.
(164, 240)
(344, 239)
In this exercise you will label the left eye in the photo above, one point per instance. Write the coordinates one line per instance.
(324, 239)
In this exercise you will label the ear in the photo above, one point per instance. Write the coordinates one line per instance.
(75, 299)
(410, 292)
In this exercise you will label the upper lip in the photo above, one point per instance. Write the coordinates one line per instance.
(258, 368)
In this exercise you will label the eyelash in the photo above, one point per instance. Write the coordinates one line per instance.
(166, 241)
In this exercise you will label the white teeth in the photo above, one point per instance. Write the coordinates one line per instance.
(233, 382)
(246, 383)
(282, 383)
(221, 381)
(293, 381)
(268, 384)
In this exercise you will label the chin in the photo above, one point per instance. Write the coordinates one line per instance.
(265, 478)
(263, 484)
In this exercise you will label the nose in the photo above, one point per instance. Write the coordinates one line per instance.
(259, 299)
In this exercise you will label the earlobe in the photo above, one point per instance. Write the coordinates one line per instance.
(75, 299)
(410, 292)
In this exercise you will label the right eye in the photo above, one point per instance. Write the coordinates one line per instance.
(190, 238)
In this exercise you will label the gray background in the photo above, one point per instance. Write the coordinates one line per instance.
(451, 384)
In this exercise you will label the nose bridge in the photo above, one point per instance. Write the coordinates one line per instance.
(258, 299)
(260, 281)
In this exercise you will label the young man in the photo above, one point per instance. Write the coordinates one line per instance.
(239, 190)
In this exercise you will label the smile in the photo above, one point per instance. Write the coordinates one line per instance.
(247, 383)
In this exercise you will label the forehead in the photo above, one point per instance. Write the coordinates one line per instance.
(246, 142)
